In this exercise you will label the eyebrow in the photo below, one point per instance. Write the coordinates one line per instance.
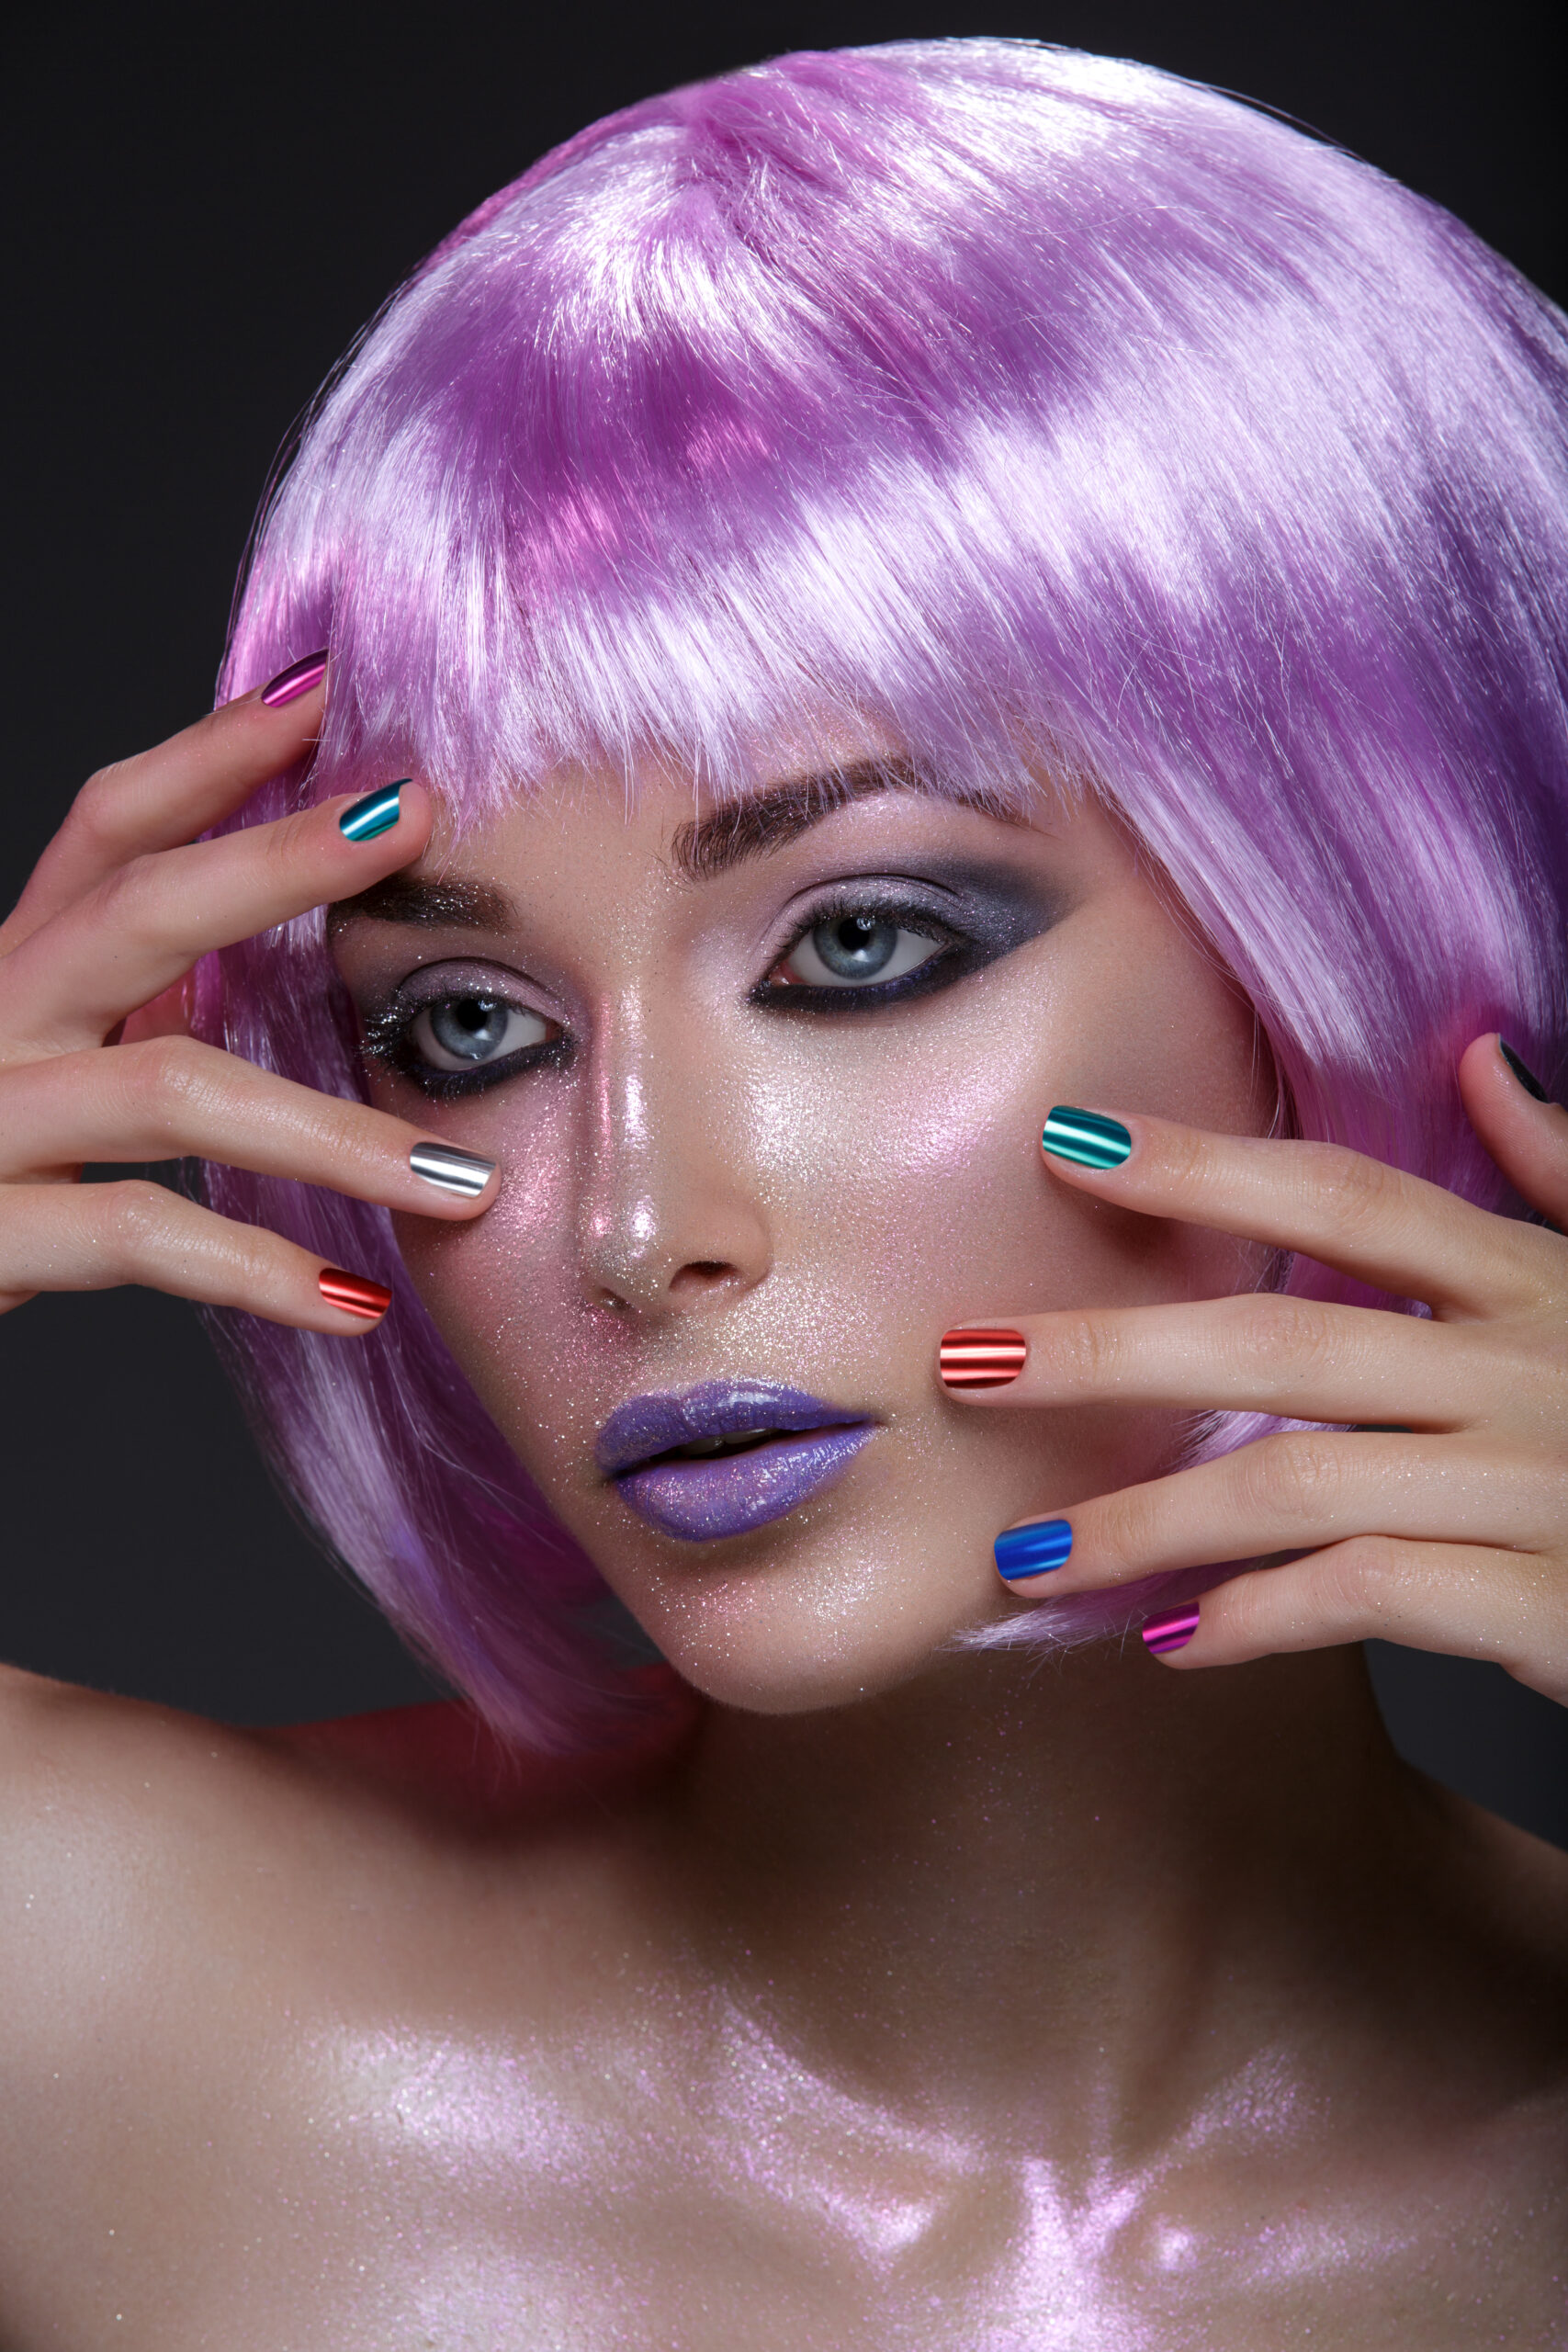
(710, 845)
(701, 848)
(428, 905)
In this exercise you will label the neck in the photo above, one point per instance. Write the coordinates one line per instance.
(1011, 1871)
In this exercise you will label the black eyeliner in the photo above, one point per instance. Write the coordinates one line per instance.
(386, 1038)
(976, 912)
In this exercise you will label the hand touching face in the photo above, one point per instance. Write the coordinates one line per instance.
(1439, 1519)
(766, 1092)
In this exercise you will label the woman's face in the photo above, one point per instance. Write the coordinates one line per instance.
(767, 1089)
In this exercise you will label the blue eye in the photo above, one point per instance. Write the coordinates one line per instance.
(463, 1032)
(855, 949)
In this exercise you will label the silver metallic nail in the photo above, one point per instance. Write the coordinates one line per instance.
(452, 1170)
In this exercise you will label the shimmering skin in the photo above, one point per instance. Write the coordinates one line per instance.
(911, 2000)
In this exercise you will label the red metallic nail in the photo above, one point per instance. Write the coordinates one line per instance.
(354, 1293)
(981, 1359)
(1172, 1630)
(297, 680)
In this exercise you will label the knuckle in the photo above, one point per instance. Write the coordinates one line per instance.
(1286, 1478)
(101, 823)
(1124, 1525)
(164, 1074)
(1362, 1578)
(1184, 1157)
(1358, 1189)
(121, 900)
(129, 1214)
(95, 814)
(1296, 1337)
(1091, 1349)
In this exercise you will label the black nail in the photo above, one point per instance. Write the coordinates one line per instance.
(1527, 1079)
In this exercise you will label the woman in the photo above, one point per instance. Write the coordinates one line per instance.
(872, 606)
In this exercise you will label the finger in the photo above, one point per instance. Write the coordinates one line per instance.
(1524, 1131)
(96, 1237)
(73, 980)
(175, 1098)
(1261, 1352)
(1458, 1598)
(1396, 1232)
(165, 796)
(1286, 1493)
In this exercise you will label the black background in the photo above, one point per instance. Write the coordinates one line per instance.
(201, 209)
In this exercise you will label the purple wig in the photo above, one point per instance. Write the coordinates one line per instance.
(1033, 410)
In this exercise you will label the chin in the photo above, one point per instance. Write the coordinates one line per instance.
(839, 1601)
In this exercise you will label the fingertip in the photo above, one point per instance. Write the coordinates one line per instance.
(1073, 1138)
(354, 1295)
(306, 676)
(1170, 1630)
(980, 1356)
(1036, 1549)
(457, 1176)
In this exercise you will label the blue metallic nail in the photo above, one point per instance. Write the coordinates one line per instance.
(376, 813)
(1029, 1551)
(1086, 1137)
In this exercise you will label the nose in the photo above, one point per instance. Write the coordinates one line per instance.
(671, 1215)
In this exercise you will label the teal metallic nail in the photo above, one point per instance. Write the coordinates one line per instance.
(1525, 1075)
(1085, 1137)
(376, 813)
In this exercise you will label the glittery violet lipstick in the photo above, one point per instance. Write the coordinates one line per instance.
(726, 1456)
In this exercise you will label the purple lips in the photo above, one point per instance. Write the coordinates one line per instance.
(800, 1445)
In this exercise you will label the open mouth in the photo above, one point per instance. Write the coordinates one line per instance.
(726, 1456)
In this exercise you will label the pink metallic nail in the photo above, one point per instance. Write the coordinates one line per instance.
(297, 680)
(1172, 1630)
(354, 1293)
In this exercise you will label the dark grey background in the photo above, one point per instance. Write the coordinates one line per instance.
(201, 208)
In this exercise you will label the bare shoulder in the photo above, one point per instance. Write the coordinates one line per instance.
(142, 1847)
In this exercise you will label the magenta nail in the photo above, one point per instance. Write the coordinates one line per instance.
(1172, 1630)
(297, 680)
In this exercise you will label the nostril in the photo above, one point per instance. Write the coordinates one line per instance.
(702, 1273)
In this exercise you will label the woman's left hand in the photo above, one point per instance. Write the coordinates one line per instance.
(1447, 1531)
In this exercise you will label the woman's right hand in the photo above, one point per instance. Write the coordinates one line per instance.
(121, 907)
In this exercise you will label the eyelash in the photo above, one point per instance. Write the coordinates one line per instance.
(387, 1034)
(958, 952)
(388, 1039)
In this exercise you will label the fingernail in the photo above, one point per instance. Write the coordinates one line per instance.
(1029, 1551)
(455, 1171)
(354, 1293)
(297, 680)
(981, 1359)
(1087, 1138)
(376, 813)
(1527, 1078)
(1172, 1630)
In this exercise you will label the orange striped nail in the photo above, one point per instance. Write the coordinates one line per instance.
(354, 1293)
(981, 1359)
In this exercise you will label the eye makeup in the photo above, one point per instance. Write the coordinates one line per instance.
(853, 943)
(856, 928)
(458, 1028)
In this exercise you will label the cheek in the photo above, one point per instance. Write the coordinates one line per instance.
(904, 1164)
(505, 1292)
